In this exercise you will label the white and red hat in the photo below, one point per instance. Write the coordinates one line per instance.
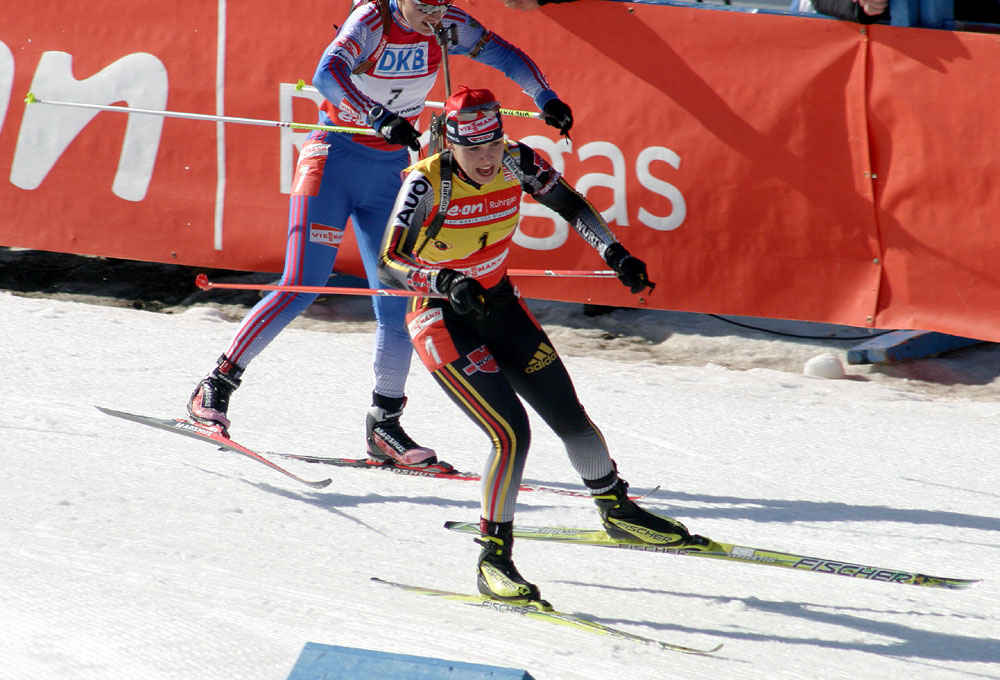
(472, 117)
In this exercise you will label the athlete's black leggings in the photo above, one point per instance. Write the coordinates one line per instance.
(484, 364)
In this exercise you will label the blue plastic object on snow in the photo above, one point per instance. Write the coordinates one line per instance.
(904, 345)
(329, 662)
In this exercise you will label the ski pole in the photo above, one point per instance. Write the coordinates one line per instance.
(506, 112)
(202, 282)
(444, 37)
(302, 87)
(568, 273)
(32, 99)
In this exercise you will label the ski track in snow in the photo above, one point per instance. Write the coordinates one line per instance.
(128, 552)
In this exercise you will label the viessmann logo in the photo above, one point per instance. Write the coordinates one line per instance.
(424, 320)
(328, 236)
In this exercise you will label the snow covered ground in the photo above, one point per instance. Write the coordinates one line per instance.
(127, 552)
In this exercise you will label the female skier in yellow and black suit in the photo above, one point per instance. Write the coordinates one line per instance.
(449, 235)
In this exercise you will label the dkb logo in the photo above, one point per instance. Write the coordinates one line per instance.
(403, 60)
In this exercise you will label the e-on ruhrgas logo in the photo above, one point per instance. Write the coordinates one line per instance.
(544, 356)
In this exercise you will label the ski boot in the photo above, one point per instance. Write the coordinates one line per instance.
(210, 400)
(624, 520)
(388, 442)
(497, 577)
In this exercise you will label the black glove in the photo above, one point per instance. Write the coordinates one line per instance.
(557, 114)
(631, 270)
(467, 296)
(393, 128)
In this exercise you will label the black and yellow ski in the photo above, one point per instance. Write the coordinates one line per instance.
(731, 552)
(540, 611)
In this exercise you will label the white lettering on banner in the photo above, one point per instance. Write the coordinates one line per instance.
(6, 80)
(658, 186)
(46, 131)
(560, 228)
(291, 141)
(618, 212)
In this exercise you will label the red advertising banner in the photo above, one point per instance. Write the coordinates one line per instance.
(79, 181)
(935, 139)
(725, 150)
(762, 164)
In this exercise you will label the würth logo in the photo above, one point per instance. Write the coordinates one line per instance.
(480, 359)
(544, 356)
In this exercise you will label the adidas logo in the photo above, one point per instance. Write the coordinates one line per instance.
(544, 356)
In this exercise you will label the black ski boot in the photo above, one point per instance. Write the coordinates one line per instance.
(209, 402)
(388, 441)
(497, 577)
(624, 520)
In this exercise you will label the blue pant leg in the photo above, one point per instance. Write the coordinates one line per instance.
(393, 347)
(309, 259)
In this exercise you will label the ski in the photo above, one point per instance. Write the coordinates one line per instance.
(369, 464)
(731, 552)
(540, 612)
(208, 434)
(388, 465)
